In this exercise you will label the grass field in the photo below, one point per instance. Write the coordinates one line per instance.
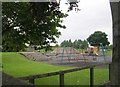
(17, 65)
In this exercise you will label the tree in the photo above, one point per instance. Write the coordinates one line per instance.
(109, 47)
(33, 23)
(84, 44)
(63, 44)
(66, 43)
(70, 44)
(78, 44)
(98, 37)
(75, 44)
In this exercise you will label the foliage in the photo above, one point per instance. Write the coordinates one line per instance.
(33, 23)
(73, 4)
(109, 47)
(13, 64)
(76, 44)
(98, 37)
(84, 44)
(66, 43)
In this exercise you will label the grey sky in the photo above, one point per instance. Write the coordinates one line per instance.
(94, 15)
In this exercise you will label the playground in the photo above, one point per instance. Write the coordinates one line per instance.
(69, 56)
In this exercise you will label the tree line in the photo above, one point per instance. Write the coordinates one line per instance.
(94, 39)
(78, 44)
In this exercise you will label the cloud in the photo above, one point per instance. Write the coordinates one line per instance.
(94, 15)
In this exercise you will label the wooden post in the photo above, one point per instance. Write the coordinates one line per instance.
(61, 79)
(91, 77)
(109, 72)
(32, 81)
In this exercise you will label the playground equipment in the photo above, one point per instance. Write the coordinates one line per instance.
(102, 49)
(70, 55)
(94, 51)
(98, 52)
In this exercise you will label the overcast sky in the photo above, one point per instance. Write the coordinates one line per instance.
(95, 15)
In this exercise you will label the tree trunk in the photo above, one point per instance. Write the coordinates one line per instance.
(115, 67)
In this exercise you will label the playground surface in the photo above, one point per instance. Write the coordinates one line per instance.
(80, 62)
(67, 57)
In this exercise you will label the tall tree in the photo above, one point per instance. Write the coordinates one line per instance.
(33, 23)
(98, 37)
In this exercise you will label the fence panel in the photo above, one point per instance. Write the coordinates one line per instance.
(61, 74)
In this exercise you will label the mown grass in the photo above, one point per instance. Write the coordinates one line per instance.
(17, 65)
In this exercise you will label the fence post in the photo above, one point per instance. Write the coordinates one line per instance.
(91, 77)
(109, 72)
(61, 79)
(32, 81)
